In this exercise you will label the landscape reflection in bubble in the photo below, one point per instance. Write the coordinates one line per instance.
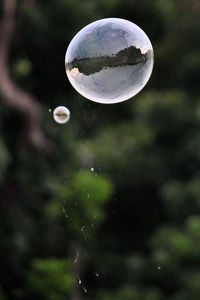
(61, 114)
(109, 60)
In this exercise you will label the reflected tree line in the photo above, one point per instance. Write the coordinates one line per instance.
(126, 57)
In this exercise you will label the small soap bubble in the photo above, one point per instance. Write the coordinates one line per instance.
(109, 61)
(61, 114)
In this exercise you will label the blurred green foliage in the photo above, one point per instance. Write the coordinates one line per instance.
(82, 200)
(49, 279)
(134, 218)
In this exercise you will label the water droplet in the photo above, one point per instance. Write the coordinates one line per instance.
(61, 114)
(79, 279)
(109, 60)
(97, 275)
(77, 256)
(65, 212)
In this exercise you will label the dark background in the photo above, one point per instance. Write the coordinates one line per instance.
(130, 229)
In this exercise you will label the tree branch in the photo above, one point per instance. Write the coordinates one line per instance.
(11, 94)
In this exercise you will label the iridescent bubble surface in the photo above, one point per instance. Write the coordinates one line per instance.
(61, 114)
(109, 60)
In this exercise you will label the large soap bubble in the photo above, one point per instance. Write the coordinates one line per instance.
(109, 60)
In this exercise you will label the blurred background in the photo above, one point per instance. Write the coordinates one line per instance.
(107, 206)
